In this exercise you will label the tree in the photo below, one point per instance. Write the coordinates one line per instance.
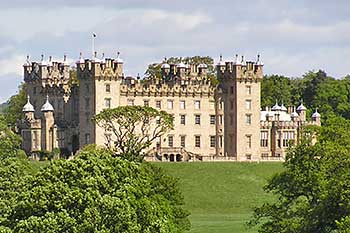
(98, 192)
(154, 70)
(131, 129)
(9, 141)
(13, 110)
(313, 191)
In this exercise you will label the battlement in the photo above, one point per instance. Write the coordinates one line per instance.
(46, 71)
(105, 67)
(240, 69)
(164, 89)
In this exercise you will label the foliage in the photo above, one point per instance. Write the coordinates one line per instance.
(97, 192)
(131, 129)
(9, 141)
(13, 110)
(154, 70)
(316, 89)
(313, 191)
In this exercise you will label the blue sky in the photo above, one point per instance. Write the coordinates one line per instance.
(292, 36)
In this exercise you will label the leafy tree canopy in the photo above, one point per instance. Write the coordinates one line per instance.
(313, 191)
(13, 110)
(131, 129)
(154, 70)
(97, 192)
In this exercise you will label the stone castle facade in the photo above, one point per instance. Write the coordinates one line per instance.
(212, 121)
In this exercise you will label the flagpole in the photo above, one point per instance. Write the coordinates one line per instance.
(93, 45)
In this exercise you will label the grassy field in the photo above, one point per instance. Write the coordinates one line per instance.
(221, 195)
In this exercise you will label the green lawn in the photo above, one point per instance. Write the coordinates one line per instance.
(221, 195)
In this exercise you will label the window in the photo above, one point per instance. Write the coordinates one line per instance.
(248, 90)
(170, 141)
(197, 119)
(35, 139)
(87, 115)
(87, 103)
(131, 102)
(212, 119)
(248, 156)
(170, 104)
(183, 140)
(220, 119)
(221, 105)
(158, 120)
(279, 139)
(197, 141)
(264, 138)
(220, 141)
(108, 102)
(248, 119)
(108, 88)
(231, 104)
(212, 141)
(197, 104)
(87, 138)
(146, 103)
(264, 155)
(288, 138)
(232, 89)
(248, 104)
(249, 141)
(34, 90)
(231, 119)
(182, 104)
(183, 119)
(159, 104)
(212, 105)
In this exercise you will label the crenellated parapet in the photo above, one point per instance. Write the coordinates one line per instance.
(140, 89)
(47, 72)
(241, 70)
(105, 68)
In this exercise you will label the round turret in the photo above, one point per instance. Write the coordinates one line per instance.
(258, 61)
(47, 107)
(221, 62)
(181, 65)
(316, 114)
(81, 59)
(283, 108)
(27, 63)
(237, 61)
(42, 62)
(165, 66)
(96, 60)
(276, 107)
(28, 107)
(301, 107)
(65, 62)
(118, 59)
(202, 66)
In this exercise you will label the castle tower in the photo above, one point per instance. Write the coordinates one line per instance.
(165, 68)
(316, 118)
(99, 89)
(301, 110)
(28, 110)
(242, 108)
(49, 131)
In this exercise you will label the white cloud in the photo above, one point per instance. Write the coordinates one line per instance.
(12, 65)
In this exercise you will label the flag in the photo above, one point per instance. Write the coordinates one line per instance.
(93, 34)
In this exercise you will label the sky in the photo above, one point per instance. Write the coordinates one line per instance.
(292, 36)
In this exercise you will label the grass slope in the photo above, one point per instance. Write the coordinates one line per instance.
(221, 195)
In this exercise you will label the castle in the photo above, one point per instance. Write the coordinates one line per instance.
(212, 122)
